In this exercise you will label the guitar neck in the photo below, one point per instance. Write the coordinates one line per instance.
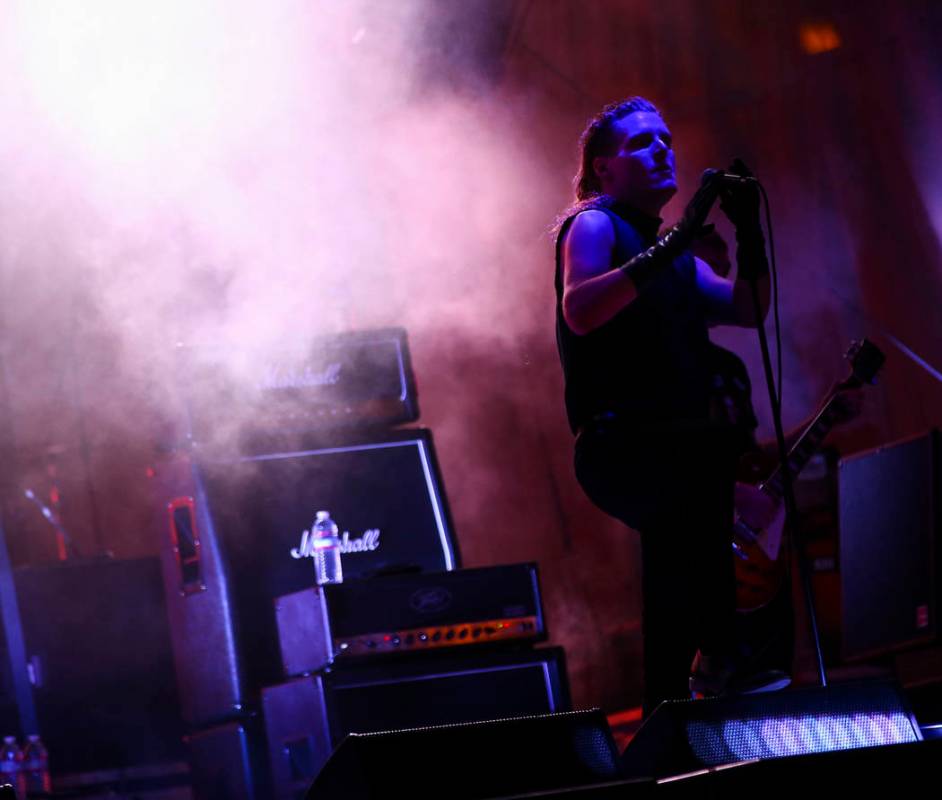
(807, 445)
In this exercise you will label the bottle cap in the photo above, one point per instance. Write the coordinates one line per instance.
(322, 515)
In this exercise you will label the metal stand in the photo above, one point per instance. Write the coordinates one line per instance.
(791, 515)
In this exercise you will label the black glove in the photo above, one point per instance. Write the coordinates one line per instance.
(645, 267)
(740, 203)
(698, 209)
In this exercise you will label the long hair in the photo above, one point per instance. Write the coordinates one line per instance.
(599, 139)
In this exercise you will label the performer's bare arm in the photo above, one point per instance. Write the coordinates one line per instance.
(593, 292)
(730, 302)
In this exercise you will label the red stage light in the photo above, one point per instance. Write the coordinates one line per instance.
(818, 37)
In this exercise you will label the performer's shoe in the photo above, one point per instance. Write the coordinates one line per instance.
(716, 675)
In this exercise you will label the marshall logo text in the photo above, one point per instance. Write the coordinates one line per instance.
(367, 542)
(284, 377)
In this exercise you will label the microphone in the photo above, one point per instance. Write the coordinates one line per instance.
(725, 177)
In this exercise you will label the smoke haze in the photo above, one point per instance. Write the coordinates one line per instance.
(245, 175)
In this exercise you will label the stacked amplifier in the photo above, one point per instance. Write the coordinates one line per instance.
(405, 651)
(265, 451)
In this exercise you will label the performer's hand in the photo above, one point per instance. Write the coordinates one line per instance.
(692, 225)
(740, 202)
(676, 239)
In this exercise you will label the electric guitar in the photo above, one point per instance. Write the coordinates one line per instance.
(758, 552)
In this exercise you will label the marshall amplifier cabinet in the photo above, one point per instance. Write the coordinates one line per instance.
(361, 378)
(306, 718)
(891, 546)
(410, 613)
(237, 537)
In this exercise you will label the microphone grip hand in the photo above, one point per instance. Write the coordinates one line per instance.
(691, 225)
(648, 265)
(740, 202)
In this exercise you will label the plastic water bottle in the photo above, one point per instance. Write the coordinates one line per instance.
(324, 532)
(11, 765)
(36, 766)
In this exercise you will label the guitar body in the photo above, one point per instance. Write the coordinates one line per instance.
(759, 556)
(759, 553)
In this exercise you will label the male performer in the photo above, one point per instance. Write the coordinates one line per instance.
(632, 315)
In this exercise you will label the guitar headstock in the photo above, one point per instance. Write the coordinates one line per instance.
(866, 360)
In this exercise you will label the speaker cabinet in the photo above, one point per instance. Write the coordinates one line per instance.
(890, 523)
(98, 649)
(224, 763)
(307, 717)
(235, 540)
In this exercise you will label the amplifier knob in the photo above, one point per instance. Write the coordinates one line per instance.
(423, 637)
(463, 634)
(450, 635)
(436, 636)
(476, 633)
(396, 640)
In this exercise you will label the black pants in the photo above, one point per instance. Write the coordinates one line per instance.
(676, 489)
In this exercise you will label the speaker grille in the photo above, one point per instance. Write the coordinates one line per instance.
(890, 528)
(842, 720)
(593, 748)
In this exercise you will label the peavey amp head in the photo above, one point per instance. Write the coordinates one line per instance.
(237, 539)
(406, 614)
(352, 379)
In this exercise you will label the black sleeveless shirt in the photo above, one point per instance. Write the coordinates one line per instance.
(649, 364)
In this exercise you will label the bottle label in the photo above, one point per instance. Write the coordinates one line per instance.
(368, 542)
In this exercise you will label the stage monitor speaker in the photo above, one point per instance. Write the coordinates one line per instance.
(473, 760)
(885, 770)
(869, 771)
(236, 540)
(99, 655)
(891, 546)
(686, 735)
(307, 717)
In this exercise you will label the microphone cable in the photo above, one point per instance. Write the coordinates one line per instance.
(775, 301)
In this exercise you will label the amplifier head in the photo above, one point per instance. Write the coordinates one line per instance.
(357, 378)
(407, 614)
